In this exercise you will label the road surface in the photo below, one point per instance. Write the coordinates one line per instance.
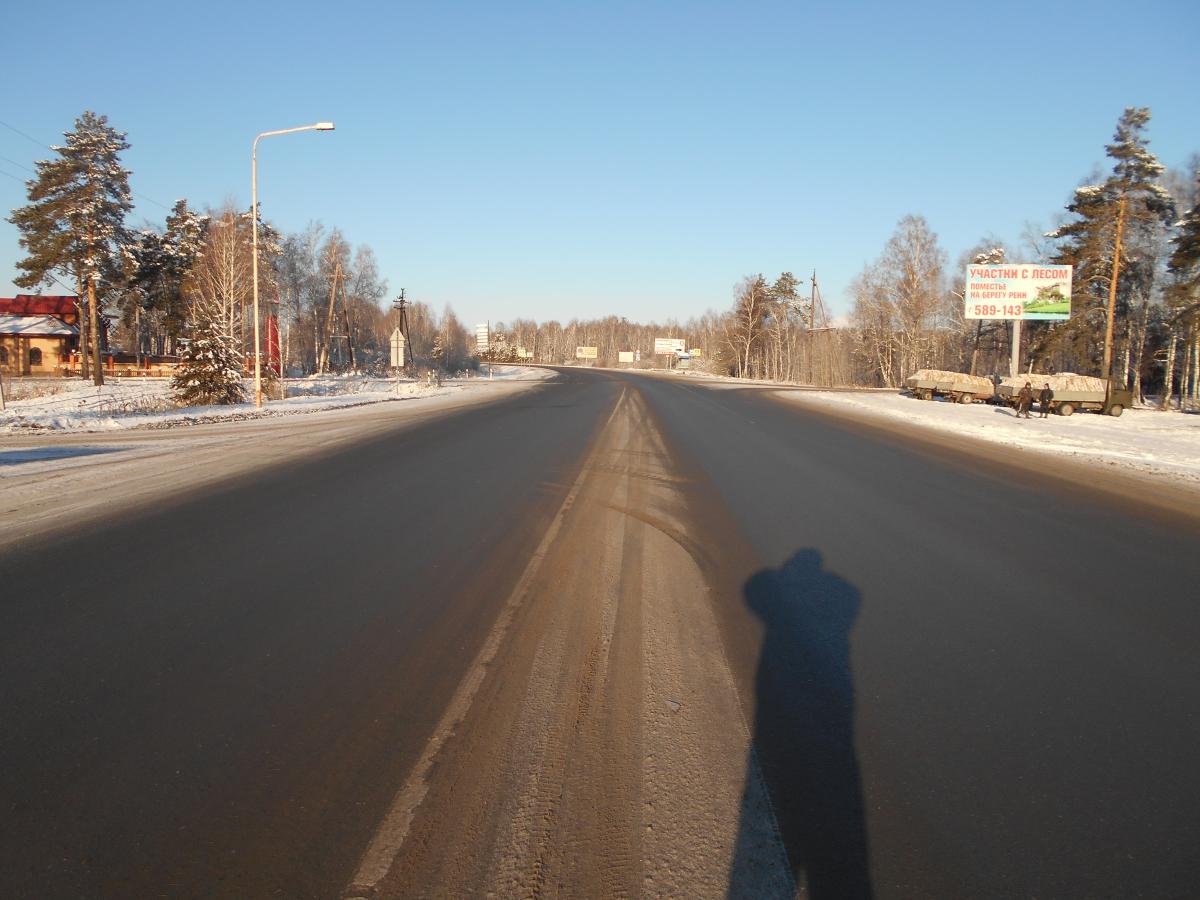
(613, 636)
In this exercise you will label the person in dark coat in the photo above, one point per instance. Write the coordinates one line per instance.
(1024, 400)
(1044, 398)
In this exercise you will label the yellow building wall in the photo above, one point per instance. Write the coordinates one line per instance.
(16, 358)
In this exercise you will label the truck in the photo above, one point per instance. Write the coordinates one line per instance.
(1071, 392)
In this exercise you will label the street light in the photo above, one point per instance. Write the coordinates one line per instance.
(319, 126)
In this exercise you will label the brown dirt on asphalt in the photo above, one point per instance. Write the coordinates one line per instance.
(606, 753)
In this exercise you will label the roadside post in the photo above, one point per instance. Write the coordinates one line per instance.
(400, 352)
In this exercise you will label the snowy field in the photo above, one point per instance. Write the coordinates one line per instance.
(1164, 445)
(59, 405)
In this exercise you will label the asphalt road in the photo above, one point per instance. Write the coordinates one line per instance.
(617, 635)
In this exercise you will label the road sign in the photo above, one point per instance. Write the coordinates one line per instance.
(1018, 291)
(625, 356)
(483, 337)
(587, 352)
(668, 346)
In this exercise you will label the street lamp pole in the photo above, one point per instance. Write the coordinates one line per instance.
(319, 126)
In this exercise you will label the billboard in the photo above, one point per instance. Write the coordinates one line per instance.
(1018, 291)
(667, 346)
(587, 352)
(625, 356)
(483, 337)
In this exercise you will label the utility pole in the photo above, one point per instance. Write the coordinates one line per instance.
(400, 304)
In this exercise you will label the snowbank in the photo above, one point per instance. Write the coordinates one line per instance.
(40, 405)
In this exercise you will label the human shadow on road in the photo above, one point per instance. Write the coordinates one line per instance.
(804, 736)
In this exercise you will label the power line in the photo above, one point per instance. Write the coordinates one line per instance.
(27, 137)
(48, 147)
(13, 162)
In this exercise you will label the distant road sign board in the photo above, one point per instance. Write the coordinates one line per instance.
(587, 352)
(668, 346)
(399, 350)
(625, 356)
(1018, 291)
(483, 337)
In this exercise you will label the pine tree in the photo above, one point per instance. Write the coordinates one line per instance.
(210, 370)
(1183, 299)
(74, 222)
(1110, 217)
(158, 265)
(1185, 257)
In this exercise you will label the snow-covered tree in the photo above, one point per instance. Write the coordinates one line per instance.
(210, 369)
(1114, 228)
(75, 220)
(158, 264)
(1183, 300)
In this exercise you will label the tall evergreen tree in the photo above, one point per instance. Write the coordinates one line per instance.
(1183, 300)
(1109, 218)
(75, 220)
(158, 265)
(1185, 257)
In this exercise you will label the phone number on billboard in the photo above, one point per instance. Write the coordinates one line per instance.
(992, 309)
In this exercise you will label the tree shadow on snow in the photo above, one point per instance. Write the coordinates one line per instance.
(803, 738)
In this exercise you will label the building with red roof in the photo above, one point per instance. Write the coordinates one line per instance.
(38, 333)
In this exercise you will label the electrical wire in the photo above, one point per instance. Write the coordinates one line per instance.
(48, 147)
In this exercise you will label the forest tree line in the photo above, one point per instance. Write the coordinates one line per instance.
(908, 310)
(1132, 236)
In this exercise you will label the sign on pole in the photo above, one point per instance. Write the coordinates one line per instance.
(668, 346)
(483, 337)
(587, 352)
(625, 356)
(1018, 291)
(399, 350)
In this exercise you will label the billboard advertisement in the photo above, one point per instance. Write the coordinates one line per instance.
(1018, 291)
(667, 346)
(625, 356)
(587, 352)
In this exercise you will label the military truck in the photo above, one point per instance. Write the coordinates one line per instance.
(1071, 392)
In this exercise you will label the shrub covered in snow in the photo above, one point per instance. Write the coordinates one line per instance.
(210, 369)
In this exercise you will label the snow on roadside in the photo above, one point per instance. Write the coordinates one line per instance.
(1150, 442)
(59, 406)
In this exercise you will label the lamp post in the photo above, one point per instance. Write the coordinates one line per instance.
(319, 126)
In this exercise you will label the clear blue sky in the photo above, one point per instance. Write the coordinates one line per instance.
(572, 159)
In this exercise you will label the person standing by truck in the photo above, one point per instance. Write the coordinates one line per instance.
(1044, 399)
(1025, 400)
